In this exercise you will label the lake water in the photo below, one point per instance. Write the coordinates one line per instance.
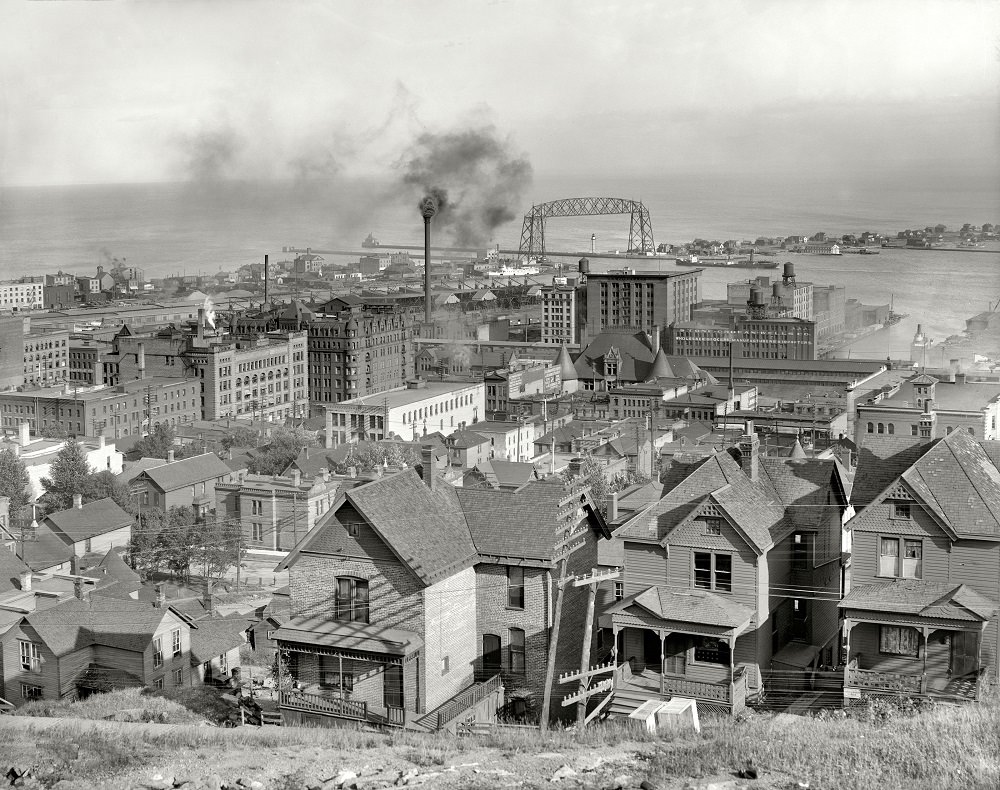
(197, 228)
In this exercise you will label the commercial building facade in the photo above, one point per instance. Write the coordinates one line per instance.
(639, 301)
(752, 338)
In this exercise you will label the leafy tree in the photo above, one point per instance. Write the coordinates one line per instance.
(284, 447)
(145, 549)
(105, 484)
(158, 443)
(240, 437)
(601, 487)
(54, 431)
(180, 540)
(70, 474)
(13, 480)
(376, 455)
(223, 546)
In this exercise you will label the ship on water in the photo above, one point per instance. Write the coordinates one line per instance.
(729, 262)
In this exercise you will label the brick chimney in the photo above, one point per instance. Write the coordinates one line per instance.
(79, 591)
(328, 441)
(749, 451)
(612, 504)
(296, 477)
(427, 466)
(140, 360)
(23, 434)
(170, 456)
(206, 596)
(161, 599)
(74, 565)
(78, 501)
(25, 579)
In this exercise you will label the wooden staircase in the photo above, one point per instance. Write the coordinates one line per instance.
(627, 700)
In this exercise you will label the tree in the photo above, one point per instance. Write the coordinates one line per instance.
(601, 488)
(13, 480)
(70, 474)
(158, 443)
(54, 431)
(145, 549)
(223, 546)
(284, 447)
(105, 484)
(240, 437)
(180, 540)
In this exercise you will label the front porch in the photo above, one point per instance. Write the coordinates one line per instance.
(703, 659)
(930, 648)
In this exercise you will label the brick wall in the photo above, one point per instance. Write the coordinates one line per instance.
(450, 632)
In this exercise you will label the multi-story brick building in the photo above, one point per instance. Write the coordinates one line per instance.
(46, 357)
(354, 352)
(411, 590)
(749, 337)
(563, 311)
(129, 409)
(639, 301)
(275, 511)
(260, 377)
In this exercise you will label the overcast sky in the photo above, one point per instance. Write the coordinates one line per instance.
(146, 91)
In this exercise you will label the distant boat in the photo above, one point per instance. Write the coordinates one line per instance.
(726, 263)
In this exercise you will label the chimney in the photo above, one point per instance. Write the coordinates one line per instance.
(749, 451)
(427, 466)
(23, 434)
(266, 278)
(928, 406)
(656, 339)
(170, 456)
(326, 474)
(206, 596)
(329, 430)
(98, 372)
(296, 477)
(201, 325)
(74, 565)
(78, 501)
(612, 504)
(25, 578)
(161, 598)
(79, 591)
(140, 360)
(352, 472)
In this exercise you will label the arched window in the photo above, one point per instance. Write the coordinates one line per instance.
(492, 656)
(892, 429)
(971, 432)
(871, 427)
(948, 430)
(881, 428)
(351, 600)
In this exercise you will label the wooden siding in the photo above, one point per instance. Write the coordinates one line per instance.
(681, 573)
(14, 676)
(977, 563)
(645, 566)
(865, 649)
(865, 556)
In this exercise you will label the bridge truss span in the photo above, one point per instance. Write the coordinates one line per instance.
(640, 236)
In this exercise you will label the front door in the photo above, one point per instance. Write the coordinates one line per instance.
(675, 654)
(651, 650)
(393, 688)
(964, 653)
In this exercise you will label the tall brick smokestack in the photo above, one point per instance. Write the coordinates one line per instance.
(428, 208)
(266, 294)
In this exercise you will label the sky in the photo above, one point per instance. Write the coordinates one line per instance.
(189, 89)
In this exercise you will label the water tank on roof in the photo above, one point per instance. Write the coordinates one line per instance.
(756, 295)
(788, 270)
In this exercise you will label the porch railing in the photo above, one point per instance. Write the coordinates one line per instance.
(716, 692)
(738, 698)
(396, 716)
(456, 706)
(882, 681)
(330, 706)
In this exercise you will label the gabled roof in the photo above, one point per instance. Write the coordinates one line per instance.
(698, 607)
(465, 438)
(426, 529)
(214, 637)
(882, 459)
(11, 568)
(135, 468)
(46, 550)
(635, 351)
(943, 600)
(112, 569)
(507, 473)
(187, 471)
(114, 622)
(806, 487)
(94, 518)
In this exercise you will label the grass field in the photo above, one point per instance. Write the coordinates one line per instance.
(879, 748)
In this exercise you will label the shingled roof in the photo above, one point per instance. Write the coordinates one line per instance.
(212, 638)
(87, 521)
(687, 606)
(114, 622)
(186, 471)
(944, 600)
(806, 487)
(881, 459)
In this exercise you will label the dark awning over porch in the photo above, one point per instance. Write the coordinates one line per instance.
(687, 611)
(324, 636)
(908, 599)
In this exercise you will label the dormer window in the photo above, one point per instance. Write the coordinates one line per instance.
(713, 526)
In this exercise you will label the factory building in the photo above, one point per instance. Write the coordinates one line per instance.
(638, 301)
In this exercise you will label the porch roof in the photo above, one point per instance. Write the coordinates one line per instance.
(697, 607)
(937, 600)
(326, 635)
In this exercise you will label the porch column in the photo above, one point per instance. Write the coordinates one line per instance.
(979, 658)
(732, 681)
(614, 647)
(340, 670)
(663, 637)
(924, 632)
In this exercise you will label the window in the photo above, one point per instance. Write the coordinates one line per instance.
(330, 676)
(894, 640)
(713, 526)
(619, 590)
(711, 651)
(491, 654)
(178, 677)
(158, 683)
(913, 430)
(800, 550)
(224, 663)
(713, 571)
(516, 637)
(909, 566)
(881, 427)
(892, 429)
(515, 587)
(900, 509)
(158, 652)
(871, 428)
(30, 692)
(175, 639)
(800, 619)
(445, 665)
(256, 532)
(31, 657)
(351, 604)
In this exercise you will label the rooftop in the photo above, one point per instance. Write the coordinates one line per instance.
(399, 398)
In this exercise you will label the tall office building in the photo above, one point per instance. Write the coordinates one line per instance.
(639, 301)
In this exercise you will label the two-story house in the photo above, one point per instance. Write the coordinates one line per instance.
(188, 482)
(81, 646)
(921, 613)
(409, 591)
(717, 560)
(96, 527)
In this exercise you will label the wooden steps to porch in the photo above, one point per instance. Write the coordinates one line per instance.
(627, 700)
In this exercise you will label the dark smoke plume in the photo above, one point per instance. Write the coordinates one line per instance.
(209, 155)
(476, 177)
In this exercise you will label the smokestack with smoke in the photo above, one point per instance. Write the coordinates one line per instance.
(430, 205)
(475, 176)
